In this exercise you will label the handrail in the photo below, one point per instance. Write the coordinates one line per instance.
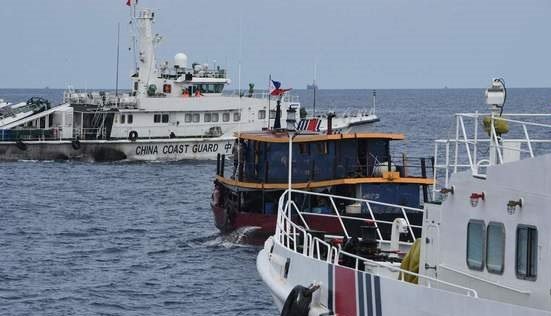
(287, 233)
(484, 280)
(487, 144)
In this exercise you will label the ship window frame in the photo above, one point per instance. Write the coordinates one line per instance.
(272, 114)
(226, 116)
(470, 264)
(196, 117)
(261, 114)
(130, 119)
(165, 118)
(531, 256)
(215, 117)
(323, 148)
(304, 148)
(157, 118)
(490, 247)
(123, 119)
(236, 116)
(207, 117)
(188, 118)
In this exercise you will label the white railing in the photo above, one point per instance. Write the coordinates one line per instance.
(475, 150)
(286, 98)
(367, 205)
(292, 235)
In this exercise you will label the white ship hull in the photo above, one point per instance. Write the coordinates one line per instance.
(103, 150)
(347, 292)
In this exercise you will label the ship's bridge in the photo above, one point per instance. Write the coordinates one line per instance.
(320, 160)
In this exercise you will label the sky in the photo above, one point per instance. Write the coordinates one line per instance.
(355, 44)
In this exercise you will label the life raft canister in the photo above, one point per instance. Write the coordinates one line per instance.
(298, 301)
(132, 136)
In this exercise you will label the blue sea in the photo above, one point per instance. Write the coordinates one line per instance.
(138, 238)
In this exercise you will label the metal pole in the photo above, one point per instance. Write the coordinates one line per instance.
(289, 175)
(118, 55)
(269, 99)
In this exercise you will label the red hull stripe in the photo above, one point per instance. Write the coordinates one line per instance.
(345, 291)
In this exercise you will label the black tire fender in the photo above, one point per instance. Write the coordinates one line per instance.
(75, 144)
(298, 301)
(21, 145)
(132, 136)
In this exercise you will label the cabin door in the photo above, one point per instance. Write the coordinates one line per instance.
(432, 245)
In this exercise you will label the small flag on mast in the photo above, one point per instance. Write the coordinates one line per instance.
(278, 91)
(129, 2)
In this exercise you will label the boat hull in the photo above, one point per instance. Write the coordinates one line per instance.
(139, 150)
(348, 292)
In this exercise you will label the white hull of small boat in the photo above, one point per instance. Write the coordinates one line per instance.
(348, 292)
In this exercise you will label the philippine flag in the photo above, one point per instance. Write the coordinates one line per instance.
(278, 91)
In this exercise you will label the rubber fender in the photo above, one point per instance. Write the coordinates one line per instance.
(298, 301)
(21, 145)
(75, 144)
(132, 136)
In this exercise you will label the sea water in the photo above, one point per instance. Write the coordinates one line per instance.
(139, 239)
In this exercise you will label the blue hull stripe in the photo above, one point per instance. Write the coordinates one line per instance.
(377, 286)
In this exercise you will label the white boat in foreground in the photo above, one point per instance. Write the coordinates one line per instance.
(482, 251)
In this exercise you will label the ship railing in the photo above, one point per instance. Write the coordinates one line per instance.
(476, 146)
(299, 238)
(374, 267)
(286, 98)
(310, 169)
(31, 134)
(370, 210)
(90, 133)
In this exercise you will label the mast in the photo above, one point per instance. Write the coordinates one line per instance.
(315, 88)
(146, 46)
(118, 56)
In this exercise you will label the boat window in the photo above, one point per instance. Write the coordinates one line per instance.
(207, 117)
(130, 118)
(236, 116)
(495, 247)
(123, 119)
(157, 118)
(304, 148)
(323, 148)
(188, 118)
(261, 114)
(196, 117)
(527, 252)
(475, 245)
(226, 117)
(272, 114)
(215, 117)
(165, 118)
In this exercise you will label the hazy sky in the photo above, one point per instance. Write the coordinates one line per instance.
(355, 43)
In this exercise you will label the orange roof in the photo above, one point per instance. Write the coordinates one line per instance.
(281, 137)
(325, 183)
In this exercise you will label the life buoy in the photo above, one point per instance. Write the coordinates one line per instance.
(21, 145)
(75, 144)
(132, 136)
(298, 301)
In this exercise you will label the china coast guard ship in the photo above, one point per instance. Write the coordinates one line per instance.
(174, 111)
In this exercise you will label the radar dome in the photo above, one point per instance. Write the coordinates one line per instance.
(180, 60)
